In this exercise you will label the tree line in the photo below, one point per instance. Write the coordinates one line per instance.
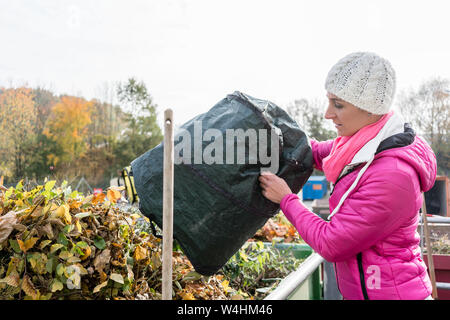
(67, 137)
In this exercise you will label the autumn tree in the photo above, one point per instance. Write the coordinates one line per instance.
(67, 126)
(428, 110)
(17, 129)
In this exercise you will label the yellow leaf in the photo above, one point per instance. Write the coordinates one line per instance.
(65, 255)
(78, 226)
(64, 212)
(243, 255)
(186, 295)
(55, 247)
(113, 195)
(101, 285)
(44, 244)
(56, 285)
(225, 285)
(28, 244)
(140, 253)
(12, 266)
(87, 252)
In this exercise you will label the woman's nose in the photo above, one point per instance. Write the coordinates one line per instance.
(329, 114)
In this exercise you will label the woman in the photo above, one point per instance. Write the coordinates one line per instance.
(378, 168)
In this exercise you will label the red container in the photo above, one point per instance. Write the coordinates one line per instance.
(442, 272)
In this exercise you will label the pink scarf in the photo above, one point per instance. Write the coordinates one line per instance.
(345, 147)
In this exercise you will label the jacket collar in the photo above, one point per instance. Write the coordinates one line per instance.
(393, 127)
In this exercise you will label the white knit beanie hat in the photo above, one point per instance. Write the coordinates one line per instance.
(365, 80)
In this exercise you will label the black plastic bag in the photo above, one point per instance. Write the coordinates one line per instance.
(218, 205)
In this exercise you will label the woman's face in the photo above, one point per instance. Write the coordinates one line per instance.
(347, 118)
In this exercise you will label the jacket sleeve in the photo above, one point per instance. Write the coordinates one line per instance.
(320, 150)
(377, 207)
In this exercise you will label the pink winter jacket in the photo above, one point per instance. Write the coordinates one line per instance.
(372, 237)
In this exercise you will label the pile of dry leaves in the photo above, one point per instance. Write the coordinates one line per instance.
(59, 244)
(278, 229)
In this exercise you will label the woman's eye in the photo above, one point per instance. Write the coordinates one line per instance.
(339, 106)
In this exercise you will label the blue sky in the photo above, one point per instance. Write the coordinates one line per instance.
(191, 54)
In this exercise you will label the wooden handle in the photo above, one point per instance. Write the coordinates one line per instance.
(167, 206)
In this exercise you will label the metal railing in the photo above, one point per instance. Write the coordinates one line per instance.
(437, 220)
(296, 278)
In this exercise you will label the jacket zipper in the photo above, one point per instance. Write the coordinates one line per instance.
(361, 276)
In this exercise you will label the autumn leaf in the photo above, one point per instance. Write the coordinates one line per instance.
(98, 198)
(186, 295)
(13, 279)
(140, 253)
(225, 285)
(78, 226)
(65, 255)
(55, 247)
(29, 289)
(56, 285)
(28, 244)
(6, 225)
(63, 212)
(243, 255)
(48, 230)
(100, 286)
(82, 215)
(113, 195)
(73, 259)
(116, 277)
(44, 243)
(87, 252)
(102, 259)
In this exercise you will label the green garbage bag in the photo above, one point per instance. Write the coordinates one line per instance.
(219, 155)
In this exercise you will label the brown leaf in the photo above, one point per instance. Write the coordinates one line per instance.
(29, 289)
(102, 259)
(19, 227)
(6, 225)
(47, 230)
(39, 211)
(13, 279)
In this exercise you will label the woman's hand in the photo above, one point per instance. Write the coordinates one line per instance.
(274, 188)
